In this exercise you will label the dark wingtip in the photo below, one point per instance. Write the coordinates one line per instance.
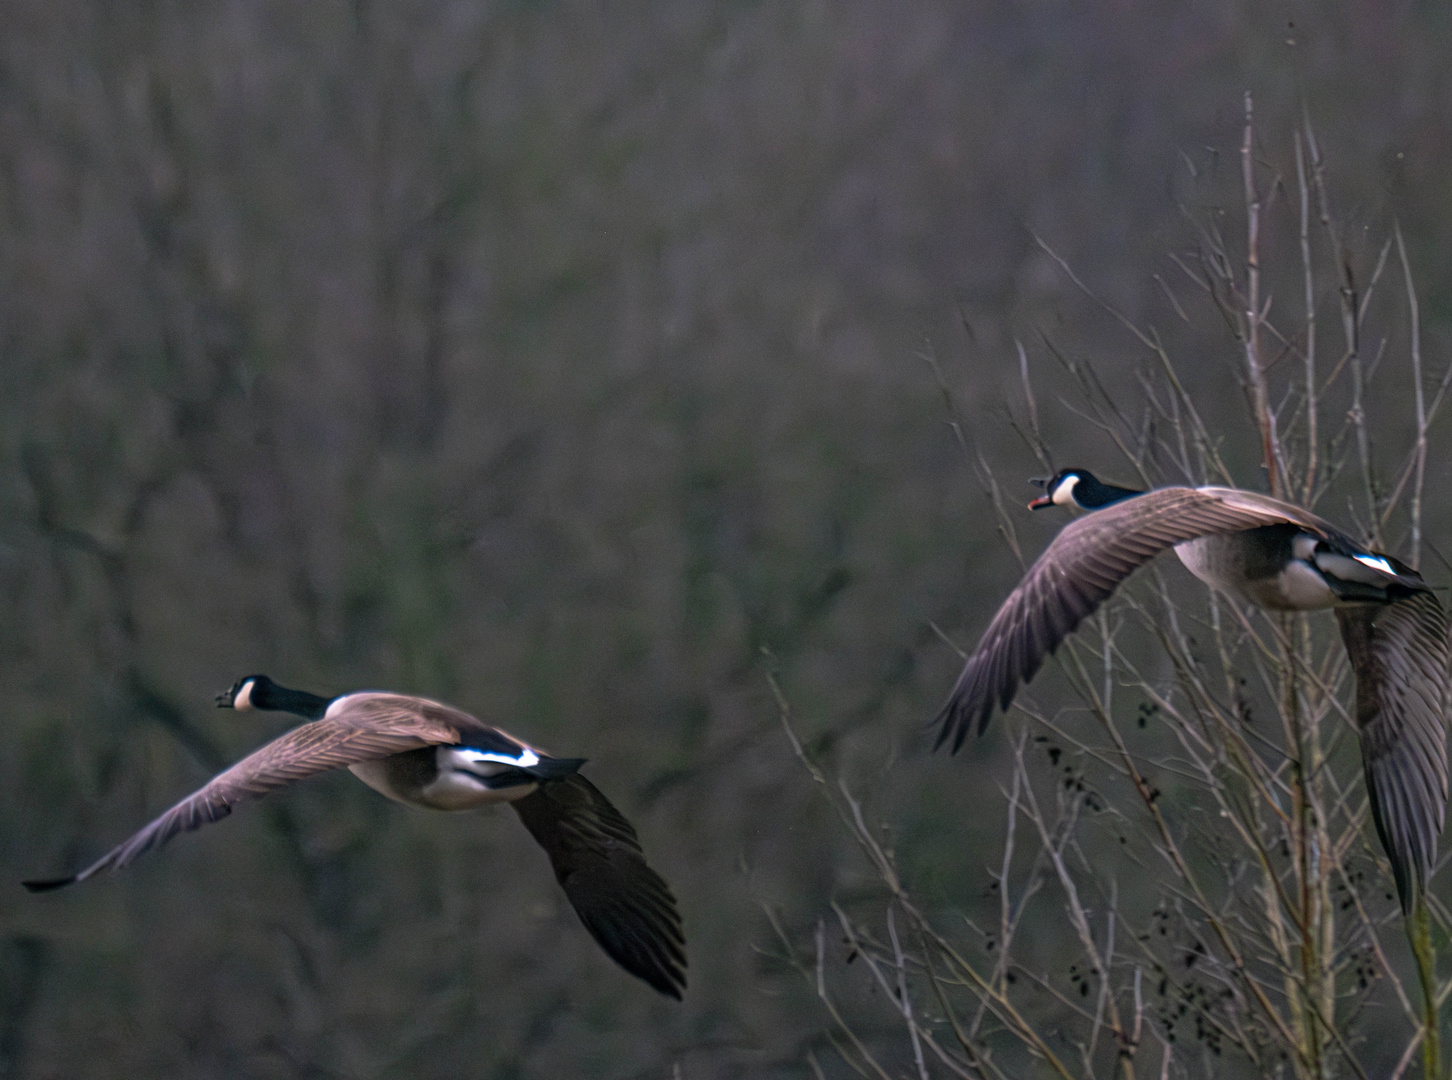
(1409, 872)
(669, 989)
(1409, 875)
(954, 721)
(1407, 891)
(950, 731)
(941, 723)
(47, 884)
(671, 982)
(669, 979)
(651, 951)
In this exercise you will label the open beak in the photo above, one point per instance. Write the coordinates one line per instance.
(224, 699)
(1043, 500)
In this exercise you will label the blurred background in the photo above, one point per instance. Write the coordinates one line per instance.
(575, 363)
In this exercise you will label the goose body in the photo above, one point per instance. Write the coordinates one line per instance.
(445, 778)
(486, 766)
(1274, 555)
(1262, 566)
(429, 754)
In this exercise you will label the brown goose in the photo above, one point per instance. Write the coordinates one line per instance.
(1279, 557)
(428, 754)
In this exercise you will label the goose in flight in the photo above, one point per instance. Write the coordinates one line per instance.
(1272, 554)
(429, 754)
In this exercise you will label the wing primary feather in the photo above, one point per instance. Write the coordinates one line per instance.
(625, 905)
(1081, 568)
(312, 748)
(1399, 653)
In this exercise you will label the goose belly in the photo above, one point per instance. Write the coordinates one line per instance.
(1258, 565)
(425, 778)
(456, 791)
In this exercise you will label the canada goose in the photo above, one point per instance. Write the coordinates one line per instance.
(428, 754)
(1279, 557)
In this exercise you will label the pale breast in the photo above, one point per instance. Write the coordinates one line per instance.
(1258, 565)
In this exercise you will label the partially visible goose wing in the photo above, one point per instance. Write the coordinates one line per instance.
(331, 743)
(1399, 653)
(627, 907)
(1078, 571)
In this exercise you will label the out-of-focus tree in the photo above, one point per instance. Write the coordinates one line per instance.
(557, 360)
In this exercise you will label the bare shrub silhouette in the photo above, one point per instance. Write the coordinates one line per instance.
(1189, 883)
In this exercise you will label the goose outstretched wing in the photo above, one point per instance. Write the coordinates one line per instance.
(331, 743)
(627, 907)
(1399, 653)
(1079, 570)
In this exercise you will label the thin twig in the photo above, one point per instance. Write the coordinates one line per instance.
(1308, 486)
(1421, 449)
(904, 998)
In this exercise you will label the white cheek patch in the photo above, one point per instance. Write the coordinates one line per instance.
(1376, 562)
(1064, 494)
(242, 699)
(525, 759)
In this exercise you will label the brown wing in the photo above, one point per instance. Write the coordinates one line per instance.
(442, 723)
(627, 907)
(1400, 653)
(349, 736)
(380, 710)
(1079, 571)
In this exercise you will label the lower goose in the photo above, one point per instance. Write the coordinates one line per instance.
(428, 754)
(1277, 556)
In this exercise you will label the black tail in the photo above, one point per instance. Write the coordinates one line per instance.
(47, 884)
(554, 768)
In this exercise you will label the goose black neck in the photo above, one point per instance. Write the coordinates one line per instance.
(268, 695)
(1091, 494)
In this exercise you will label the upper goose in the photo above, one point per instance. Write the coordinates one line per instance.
(432, 755)
(1272, 554)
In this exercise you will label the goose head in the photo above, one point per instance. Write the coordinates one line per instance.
(1059, 488)
(248, 692)
(1077, 487)
(260, 692)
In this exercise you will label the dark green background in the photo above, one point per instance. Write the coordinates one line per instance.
(555, 359)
